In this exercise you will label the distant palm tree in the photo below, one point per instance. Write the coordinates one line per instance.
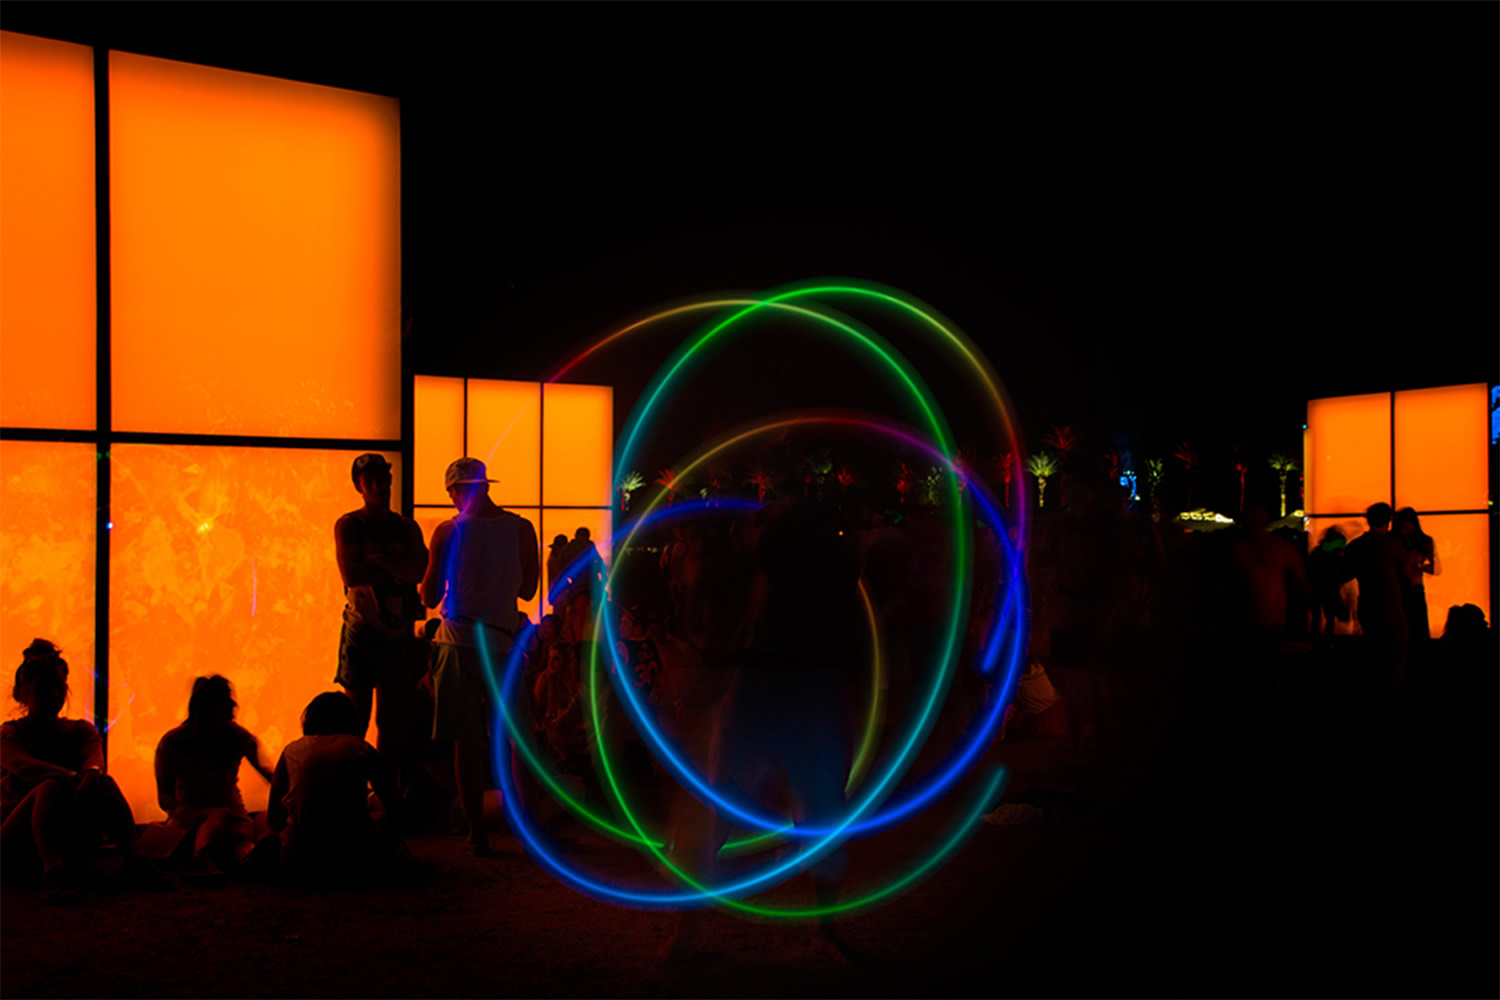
(673, 483)
(1189, 459)
(930, 483)
(905, 481)
(1043, 466)
(762, 481)
(1283, 465)
(1156, 471)
(1064, 439)
(632, 482)
(1005, 465)
(1242, 466)
(847, 478)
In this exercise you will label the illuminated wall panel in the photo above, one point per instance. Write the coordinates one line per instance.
(255, 253)
(505, 432)
(438, 417)
(47, 261)
(1349, 450)
(566, 522)
(222, 562)
(577, 445)
(47, 510)
(1441, 448)
(1463, 559)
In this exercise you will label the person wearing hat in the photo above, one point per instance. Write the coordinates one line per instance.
(483, 560)
(381, 557)
(555, 564)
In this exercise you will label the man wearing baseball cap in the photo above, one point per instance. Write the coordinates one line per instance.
(482, 561)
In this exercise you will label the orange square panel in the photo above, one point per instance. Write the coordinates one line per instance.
(567, 522)
(47, 260)
(505, 432)
(1442, 448)
(438, 422)
(48, 505)
(1348, 450)
(1462, 542)
(255, 250)
(577, 445)
(222, 562)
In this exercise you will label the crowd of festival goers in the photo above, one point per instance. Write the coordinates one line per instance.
(1106, 585)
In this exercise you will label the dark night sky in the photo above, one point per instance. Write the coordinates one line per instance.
(1170, 220)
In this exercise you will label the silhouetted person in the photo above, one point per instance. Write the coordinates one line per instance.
(1325, 568)
(483, 560)
(55, 798)
(381, 557)
(197, 777)
(1421, 562)
(1378, 561)
(555, 564)
(581, 564)
(319, 802)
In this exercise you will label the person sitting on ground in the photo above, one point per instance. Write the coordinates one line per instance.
(320, 796)
(197, 778)
(55, 798)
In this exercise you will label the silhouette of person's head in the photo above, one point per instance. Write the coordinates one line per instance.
(1408, 525)
(1378, 516)
(558, 542)
(330, 713)
(42, 680)
(1333, 537)
(468, 483)
(372, 479)
(212, 702)
(582, 535)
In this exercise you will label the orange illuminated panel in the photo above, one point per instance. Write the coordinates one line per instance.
(577, 445)
(255, 252)
(438, 419)
(1442, 448)
(1349, 452)
(47, 508)
(505, 432)
(430, 517)
(222, 561)
(1462, 542)
(47, 262)
(567, 522)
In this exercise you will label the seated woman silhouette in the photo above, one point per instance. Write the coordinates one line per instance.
(197, 777)
(320, 797)
(55, 798)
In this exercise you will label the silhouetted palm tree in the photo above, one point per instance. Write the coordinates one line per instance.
(632, 482)
(1189, 459)
(1284, 465)
(1156, 471)
(673, 483)
(762, 481)
(1005, 466)
(1043, 466)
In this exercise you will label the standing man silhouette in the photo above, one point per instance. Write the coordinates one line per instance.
(482, 561)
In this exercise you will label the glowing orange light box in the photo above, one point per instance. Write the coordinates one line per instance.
(1423, 448)
(47, 261)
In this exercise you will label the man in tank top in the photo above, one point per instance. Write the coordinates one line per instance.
(481, 562)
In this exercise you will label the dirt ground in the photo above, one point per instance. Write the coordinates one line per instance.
(1312, 864)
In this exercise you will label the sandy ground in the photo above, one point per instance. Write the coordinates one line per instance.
(1311, 866)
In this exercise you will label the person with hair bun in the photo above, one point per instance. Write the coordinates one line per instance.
(55, 798)
(197, 778)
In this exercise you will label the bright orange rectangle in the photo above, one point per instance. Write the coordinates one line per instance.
(1442, 448)
(505, 432)
(48, 506)
(47, 261)
(255, 241)
(1349, 453)
(567, 522)
(438, 424)
(577, 445)
(1462, 542)
(430, 517)
(222, 561)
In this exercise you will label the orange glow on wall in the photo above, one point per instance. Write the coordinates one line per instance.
(505, 432)
(438, 419)
(562, 521)
(47, 260)
(1441, 452)
(222, 561)
(1349, 453)
(48, 504)
(577, 445)
(255, 253)
(1438, 459)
